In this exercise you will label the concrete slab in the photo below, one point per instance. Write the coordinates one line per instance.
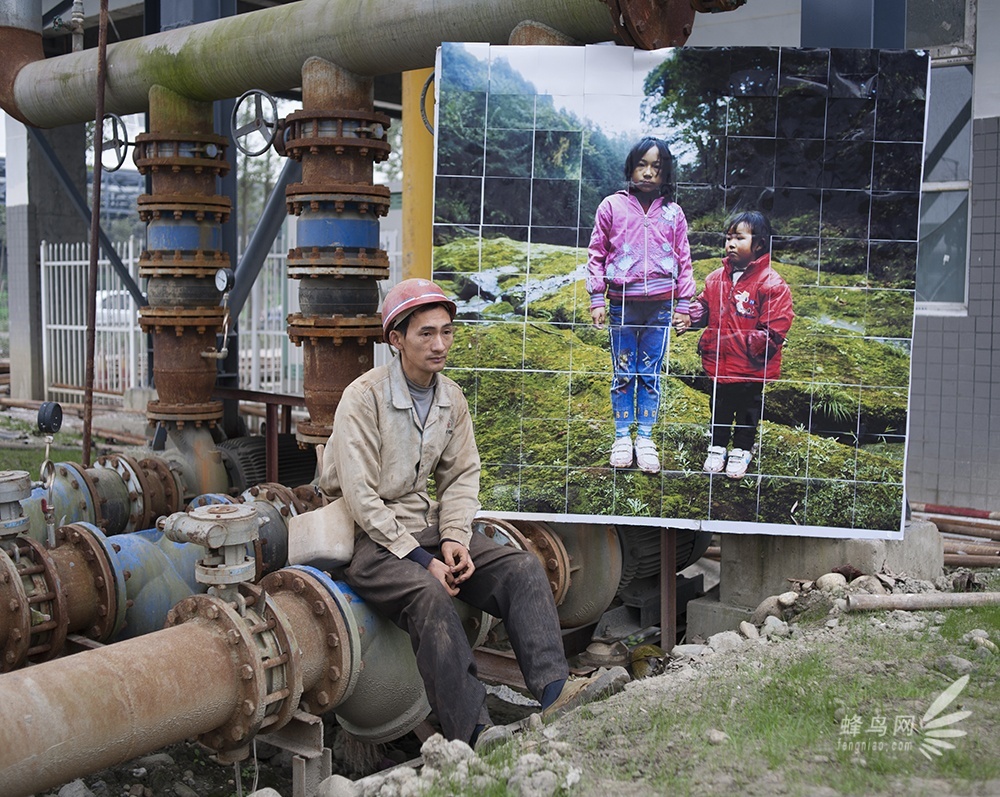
(707, 616)
(756, 566)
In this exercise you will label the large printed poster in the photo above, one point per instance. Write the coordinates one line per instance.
(711, 330)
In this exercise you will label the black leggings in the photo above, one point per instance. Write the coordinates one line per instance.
(738, 402)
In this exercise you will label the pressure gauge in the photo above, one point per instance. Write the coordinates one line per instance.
(50, 417)
(224, 280)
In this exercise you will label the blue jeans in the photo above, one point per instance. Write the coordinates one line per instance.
(639, 334)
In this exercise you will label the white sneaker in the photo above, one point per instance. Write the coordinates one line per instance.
(715, 462)
(646, 455)
(739, 461)
(621, 452)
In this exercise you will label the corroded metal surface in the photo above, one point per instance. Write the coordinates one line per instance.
(652, 24)
(102, 707)
(89, 583)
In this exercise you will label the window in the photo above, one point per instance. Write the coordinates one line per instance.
(946, 28)
(942, 263)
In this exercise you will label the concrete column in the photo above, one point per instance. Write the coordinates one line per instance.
(36, 212)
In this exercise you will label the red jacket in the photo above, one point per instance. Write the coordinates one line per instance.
(747, 322)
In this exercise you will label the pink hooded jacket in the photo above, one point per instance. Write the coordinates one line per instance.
(636, 254)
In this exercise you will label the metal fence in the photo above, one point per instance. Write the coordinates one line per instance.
(268, 360)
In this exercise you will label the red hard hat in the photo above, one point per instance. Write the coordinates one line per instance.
(407, 296)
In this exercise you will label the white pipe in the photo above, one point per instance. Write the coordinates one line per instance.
(266, 49)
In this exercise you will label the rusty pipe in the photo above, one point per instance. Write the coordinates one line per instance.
(222, 672)
(924, 600)
(98, 708)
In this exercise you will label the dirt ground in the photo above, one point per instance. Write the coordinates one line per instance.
(831, 703)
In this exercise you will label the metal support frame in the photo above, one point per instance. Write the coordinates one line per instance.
(668, 589)
(81, 206)
(264, 233)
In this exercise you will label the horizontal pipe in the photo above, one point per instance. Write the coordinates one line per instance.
(963, 511)
(266, 49)
(971, 560)
(82, 713)
(923, 600)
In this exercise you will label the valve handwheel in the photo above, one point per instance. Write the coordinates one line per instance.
(262, 126)
(114, 140)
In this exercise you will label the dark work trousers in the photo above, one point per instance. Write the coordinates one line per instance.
(738, 402)
(507, 583)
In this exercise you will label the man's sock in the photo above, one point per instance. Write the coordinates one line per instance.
(551, 692)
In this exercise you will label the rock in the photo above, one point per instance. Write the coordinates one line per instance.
(982, 643)
(974, 634)
(334, 786)
(268, 792)
(769, 607)
(787, 599)
(442, 754)
(833, 622)
(749, 630)
(689, 651)
(75, 789)
(715, 736)
(954, 665)
(774, 626)
(725, 642)
(183, 790)
(869, 585)
(535, 721)
(155, 761)
(830, 581)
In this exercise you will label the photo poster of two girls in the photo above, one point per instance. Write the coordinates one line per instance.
(685, 280)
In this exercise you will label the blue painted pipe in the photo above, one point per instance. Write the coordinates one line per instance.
(184, 234)
(321, 230)
(161, 574)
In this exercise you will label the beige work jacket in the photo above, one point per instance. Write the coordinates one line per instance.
(381, 460)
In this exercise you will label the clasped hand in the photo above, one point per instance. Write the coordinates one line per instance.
(456, 567)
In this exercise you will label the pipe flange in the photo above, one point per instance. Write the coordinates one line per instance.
(238, 631)
(157, 471)
(132, 475)
(277, 495)
(337, 327)
(551, 552)
(281, 659)
(338, 262)
(310, 496)
(201, 319)
(341, 130)
(15, 615)
(189, 151)
(652, 24)
(312, 433)
(206, 413)
(46, 601)
(202, 264)
(333, 611)
(362, 198)
(502, 532)
(96, 552)
(152, 207)
(73, 474)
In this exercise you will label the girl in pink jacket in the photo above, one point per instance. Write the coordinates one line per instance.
(640, 282)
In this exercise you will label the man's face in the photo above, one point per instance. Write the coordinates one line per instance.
(424, 348)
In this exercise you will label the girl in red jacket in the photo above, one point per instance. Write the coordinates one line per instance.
(746, 308)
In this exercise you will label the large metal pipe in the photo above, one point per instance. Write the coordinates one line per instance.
(267, 49)
(101, 707)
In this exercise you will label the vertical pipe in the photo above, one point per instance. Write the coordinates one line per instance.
(95, 229)
(418, 176)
